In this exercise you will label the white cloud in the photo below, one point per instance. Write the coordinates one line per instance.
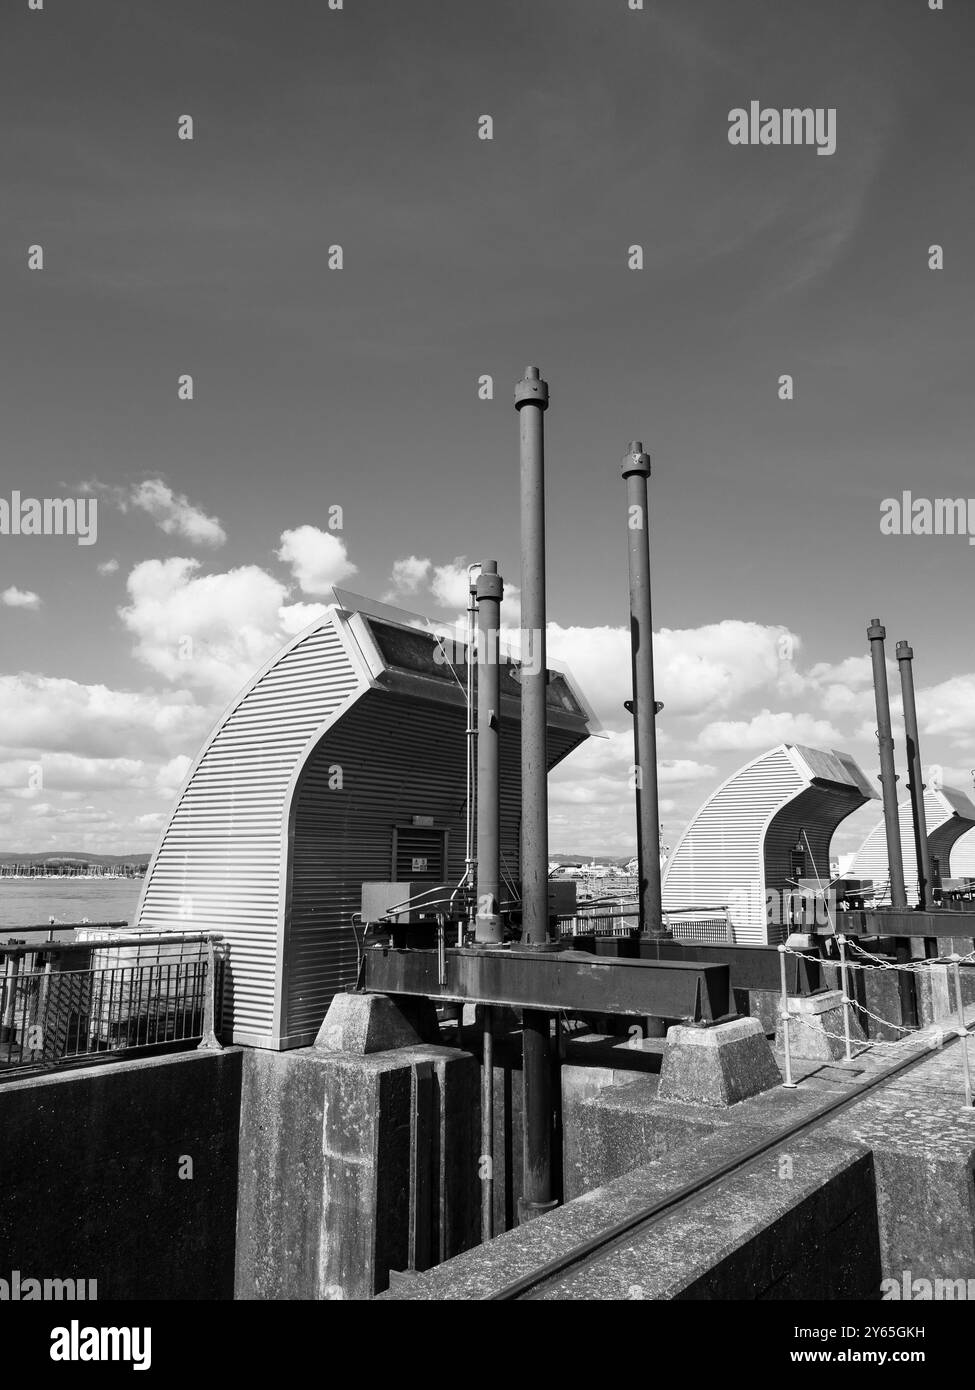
(766, 729)
(317, 558)
(407, 576)
(47, 714)
(294, 617)
(171, 776)
(450, 585)
(211, 632)
(29, 777)
(20, 598)
(949, 708)
(447, 585)
(108, 567)
(175, 514)
(697, 670)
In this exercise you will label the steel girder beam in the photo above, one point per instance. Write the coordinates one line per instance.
(572, 980)
(752, 967)
(905, 922)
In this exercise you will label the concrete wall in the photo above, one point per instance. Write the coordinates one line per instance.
(354, 1167)
(758, 1235)
(90, 1184)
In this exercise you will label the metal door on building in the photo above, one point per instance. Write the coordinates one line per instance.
(419, 854)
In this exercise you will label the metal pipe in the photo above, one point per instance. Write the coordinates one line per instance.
(490, 590)
(962, 1031)
(636, 471)
(487, 1123)
(536, 1036)
(876, 632)
(784, 1015)
(845, 983)
(905, 660)
(531, 402)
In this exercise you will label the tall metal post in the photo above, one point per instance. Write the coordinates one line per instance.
(490, 589)
(531, 402)
(876, 632)
(636, 471)
(905, 659)
(487, 922)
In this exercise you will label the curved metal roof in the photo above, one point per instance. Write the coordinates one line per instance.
(355, 723)
(949, 814)
(731, 852)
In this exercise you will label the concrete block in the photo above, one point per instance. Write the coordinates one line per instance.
(353, 1167)
(763, 1004)
(816, 1027)
(717, 1066)
(92, 1178)
(363, 1023)
(935, 994)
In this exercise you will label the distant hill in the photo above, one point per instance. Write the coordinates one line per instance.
(589, 857)
(63, 856)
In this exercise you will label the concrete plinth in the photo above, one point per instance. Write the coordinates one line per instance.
(353, 1168)
(816, 1027)
(936, 1001)
(717, 1066)
(878, 992)
(763, 1004)
(363, 1023)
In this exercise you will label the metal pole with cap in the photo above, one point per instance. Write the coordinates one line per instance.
(644, 708)
(905, 660)
(876, 632)
(490, 589)
(531, 402)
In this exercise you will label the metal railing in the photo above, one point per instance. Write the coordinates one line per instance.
(705, 926)
(104, 993)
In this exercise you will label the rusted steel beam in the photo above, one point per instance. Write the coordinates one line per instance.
(573, 980)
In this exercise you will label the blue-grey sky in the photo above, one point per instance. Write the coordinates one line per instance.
(465, 257)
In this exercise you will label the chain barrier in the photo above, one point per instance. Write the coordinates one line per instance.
(869, 962)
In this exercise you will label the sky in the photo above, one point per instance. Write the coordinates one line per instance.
(317, 387)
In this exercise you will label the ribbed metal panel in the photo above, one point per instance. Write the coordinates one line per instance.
(737, 847)
(718, 860)
(400, 757)
(219, 864)
(949, 815)
(291, 807)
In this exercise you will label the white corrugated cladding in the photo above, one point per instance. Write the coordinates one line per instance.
(945, 825)
(718, 860)
(400, 756)
(738, 846)
(220, 862)
(266, 847)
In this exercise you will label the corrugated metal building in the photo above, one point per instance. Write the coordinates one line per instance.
(770, 823)
(949, 814)
(313, 782)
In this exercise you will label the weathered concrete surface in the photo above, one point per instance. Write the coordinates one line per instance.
(763, 1004)
(923, 1143)
(362, 1023)
(823, 1214)
(816, 1027)
(768, 1232)
(352, 1167)
(881, 1015)
(125, 1173)
(717, 1066)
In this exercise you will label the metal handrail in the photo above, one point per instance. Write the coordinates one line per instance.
(50, 1016)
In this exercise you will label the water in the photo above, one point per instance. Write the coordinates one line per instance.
(30, 902)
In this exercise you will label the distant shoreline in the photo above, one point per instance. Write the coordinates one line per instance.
(75, 878)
